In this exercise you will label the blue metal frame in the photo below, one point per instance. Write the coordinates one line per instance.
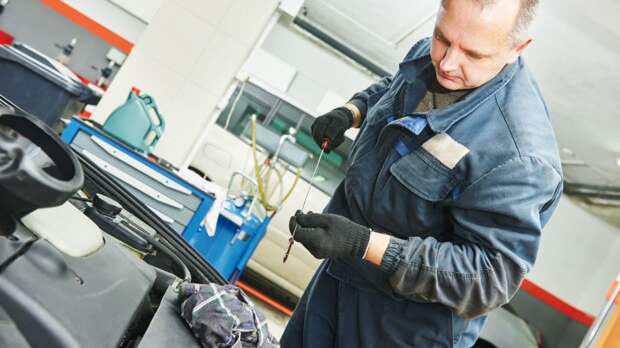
(211, 248)
(223, 250)
(243, 261)
(76, 125)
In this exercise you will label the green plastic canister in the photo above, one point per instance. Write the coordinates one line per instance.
(137, 122)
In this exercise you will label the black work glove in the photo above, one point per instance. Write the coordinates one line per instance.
(332, 126)
(329, 235)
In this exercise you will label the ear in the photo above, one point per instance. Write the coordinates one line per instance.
(519, 48)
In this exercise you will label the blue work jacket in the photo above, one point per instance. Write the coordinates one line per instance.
(463, 190)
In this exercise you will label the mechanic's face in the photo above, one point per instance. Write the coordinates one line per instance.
(472, 44)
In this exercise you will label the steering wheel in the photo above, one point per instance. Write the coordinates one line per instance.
(37, 169)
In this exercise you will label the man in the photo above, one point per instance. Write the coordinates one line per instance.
(453, 175)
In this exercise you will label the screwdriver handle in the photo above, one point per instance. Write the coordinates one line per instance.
(325, 144)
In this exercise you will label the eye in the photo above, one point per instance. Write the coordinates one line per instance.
(440, 37)
(475, 55)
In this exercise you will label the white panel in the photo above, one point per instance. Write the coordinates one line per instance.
(318, 69)
(186, 114)
(330, 101)
(291, 7)
(176, 38)
(381, 30)
(112, 17)
(270, 69)
(384, 20)
(143, 9)
(216, 66)
(176, 62)
(211, 11)
(245, 20)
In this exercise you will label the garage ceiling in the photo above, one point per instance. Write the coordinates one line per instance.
(575, 57)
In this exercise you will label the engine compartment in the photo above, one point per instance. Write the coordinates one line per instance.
(114, 297)
(83, 263)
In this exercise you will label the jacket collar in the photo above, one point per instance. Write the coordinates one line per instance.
(440, 120)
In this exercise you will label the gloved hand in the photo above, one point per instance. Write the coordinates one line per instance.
(332, 126)
(329, 235)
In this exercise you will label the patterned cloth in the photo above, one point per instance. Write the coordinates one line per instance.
(224, 316)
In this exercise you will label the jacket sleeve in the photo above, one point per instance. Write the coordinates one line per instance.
(497, 222)
(365, 99)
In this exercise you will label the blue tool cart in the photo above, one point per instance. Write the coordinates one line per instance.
(173, 199)
(177, 202)
(238, 232)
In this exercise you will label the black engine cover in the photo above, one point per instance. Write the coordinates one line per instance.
(60, 301)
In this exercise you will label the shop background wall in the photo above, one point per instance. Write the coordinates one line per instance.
(320, 71)
(126, 18)
(559, 331)
(579, 257)
(186, 59)
(38, 26)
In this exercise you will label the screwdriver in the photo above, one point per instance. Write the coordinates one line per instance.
(291, 241)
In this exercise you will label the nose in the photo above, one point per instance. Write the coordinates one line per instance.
(450, 60)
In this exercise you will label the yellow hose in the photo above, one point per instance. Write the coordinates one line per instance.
(287, 195)
(262, 196)
(259, 182)
(267, 182)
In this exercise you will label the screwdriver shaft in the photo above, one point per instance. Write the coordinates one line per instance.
(291, 240)
(316, 168)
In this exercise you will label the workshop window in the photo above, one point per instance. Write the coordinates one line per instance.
(281, 117)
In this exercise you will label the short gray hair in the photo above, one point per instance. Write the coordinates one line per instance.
(527, 12)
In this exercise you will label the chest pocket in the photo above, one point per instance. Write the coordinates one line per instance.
(409, 199)
(424, 175)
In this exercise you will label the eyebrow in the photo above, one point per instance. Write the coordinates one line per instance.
(474, 53)
(470, 52)
(440, 33)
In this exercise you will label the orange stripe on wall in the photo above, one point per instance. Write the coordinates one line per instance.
(555, 302)
(87, 23)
